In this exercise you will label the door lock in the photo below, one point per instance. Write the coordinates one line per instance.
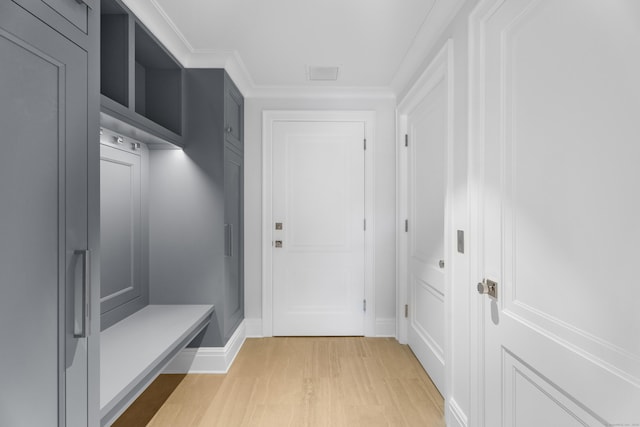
(488, 287)
(278, 243)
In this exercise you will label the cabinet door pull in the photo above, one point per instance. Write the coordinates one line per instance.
(80, 328)
(228, 240)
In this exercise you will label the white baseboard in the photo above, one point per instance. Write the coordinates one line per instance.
(455, 415)
(254, 327)
(386, 327)
(209, 360)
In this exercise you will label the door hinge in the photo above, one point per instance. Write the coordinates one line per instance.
(365, 224)
(365, 143)
(406, 139)
(406, 225)
(406, 310)
(364, 305)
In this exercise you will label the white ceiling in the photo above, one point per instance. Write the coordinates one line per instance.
(273, 41)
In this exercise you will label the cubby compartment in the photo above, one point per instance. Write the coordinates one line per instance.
(140, 82)
(158, 83)
(114, 52)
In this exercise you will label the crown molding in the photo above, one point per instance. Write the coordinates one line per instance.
(442, 14)
(322, 92)
(162, 27)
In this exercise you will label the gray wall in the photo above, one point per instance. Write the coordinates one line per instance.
(186, 212)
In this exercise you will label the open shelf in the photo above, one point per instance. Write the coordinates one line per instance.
(158, 83)
(114, 52)
(134, 351)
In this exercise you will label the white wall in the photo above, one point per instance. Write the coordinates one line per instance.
(458, 393)
(384, 155)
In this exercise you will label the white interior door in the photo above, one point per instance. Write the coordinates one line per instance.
(559, 210)
(427, 135)
(318, 229)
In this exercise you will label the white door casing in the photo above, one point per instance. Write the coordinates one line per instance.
(425, 228)
(553, 179)
(302, 246)
(424, 199)
(318, 202)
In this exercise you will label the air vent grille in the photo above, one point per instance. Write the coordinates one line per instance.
(317, 73)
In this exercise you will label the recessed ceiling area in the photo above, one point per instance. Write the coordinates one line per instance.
(277, 39)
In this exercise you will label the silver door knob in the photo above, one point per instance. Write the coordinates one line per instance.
(229, 129)
(488, 287)
(483, 288)
(441, 263)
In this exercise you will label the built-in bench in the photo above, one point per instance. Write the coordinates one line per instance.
(134, 351)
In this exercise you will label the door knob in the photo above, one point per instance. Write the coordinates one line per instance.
(441, 263)
(488, 287)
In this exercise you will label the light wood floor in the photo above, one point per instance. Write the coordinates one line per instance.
(297, 382)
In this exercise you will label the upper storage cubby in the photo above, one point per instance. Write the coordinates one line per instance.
(141, 83)
(158, 83)
(114, 52)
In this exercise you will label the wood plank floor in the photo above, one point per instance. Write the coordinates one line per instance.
(297, 382)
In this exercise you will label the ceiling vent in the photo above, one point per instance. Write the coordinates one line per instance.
(322, 73)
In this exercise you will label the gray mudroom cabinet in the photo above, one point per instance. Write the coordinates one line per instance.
(234, 236)
(233, 204)
(54, 356)
(49, 213)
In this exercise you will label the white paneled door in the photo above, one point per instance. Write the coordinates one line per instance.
(427, 162)
(556, 102)
(318, 228)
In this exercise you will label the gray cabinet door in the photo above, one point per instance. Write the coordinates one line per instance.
(69, 17)
(43, 220)
(233, 214)
(233, 113)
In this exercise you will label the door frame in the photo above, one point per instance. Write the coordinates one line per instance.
(269, 117)
(441, 67)
(476, 24)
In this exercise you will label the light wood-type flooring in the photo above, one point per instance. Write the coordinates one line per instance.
(298, 382)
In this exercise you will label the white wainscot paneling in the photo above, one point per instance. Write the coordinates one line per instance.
(531, 401)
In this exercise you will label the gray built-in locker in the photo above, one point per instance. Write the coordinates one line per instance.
(234, 205)
(49, 213)
(234, 236)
